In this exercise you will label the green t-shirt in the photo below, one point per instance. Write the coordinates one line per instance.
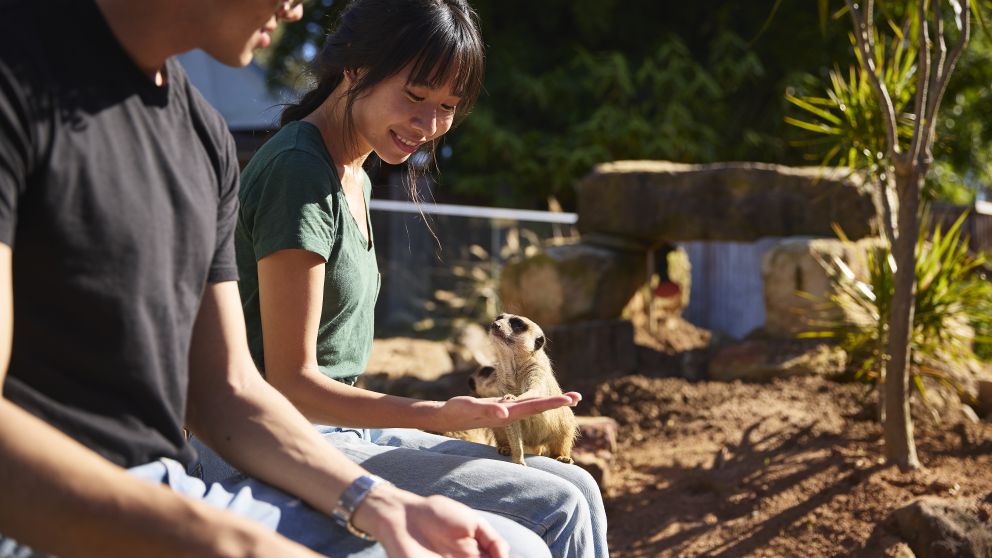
(291, 197)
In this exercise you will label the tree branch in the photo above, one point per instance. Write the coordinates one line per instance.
(947, 68)
(863, 30)
(922, 79)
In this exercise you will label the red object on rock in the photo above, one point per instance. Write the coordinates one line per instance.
(667, 289)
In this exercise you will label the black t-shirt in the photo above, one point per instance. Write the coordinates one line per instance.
(118, 198)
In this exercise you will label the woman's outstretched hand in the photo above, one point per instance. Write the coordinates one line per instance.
(465, 412)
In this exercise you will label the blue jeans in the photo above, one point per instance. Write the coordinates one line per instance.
(285, 514)
(558, 501)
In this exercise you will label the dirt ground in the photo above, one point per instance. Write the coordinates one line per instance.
(787, 468)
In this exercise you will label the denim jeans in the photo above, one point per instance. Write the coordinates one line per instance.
(285, 514)
(558, 501)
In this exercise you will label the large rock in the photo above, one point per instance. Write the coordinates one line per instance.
(797, 288)
(936, 528)
(653, 201)
(396, 357)
(571, 283)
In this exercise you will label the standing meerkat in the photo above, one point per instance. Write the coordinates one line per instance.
(523, 370)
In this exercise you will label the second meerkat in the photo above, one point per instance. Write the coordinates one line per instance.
(522, 370)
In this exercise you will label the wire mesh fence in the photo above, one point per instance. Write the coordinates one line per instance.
(440, 264)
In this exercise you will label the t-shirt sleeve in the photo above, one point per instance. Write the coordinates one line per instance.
(224, 266)
(19, 140)
(294, 206)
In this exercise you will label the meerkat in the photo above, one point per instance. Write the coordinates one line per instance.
(481, 383)
(523, 370)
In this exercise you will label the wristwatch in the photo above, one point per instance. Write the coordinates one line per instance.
(352, 496)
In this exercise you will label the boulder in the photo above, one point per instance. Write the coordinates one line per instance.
(653, 201)
(571, 283)
(403, 356)
(936, 528)
(797, 287)
(597, 435)
(598, 466)
(595, 447)
(469, 348)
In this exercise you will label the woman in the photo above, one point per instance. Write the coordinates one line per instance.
(392, 79)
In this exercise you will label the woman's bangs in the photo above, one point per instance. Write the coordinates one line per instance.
(442, 62)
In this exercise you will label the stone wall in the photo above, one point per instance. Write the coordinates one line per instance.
(627, 208)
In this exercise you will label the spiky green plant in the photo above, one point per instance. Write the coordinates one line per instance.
(844, 125)
(951, 298)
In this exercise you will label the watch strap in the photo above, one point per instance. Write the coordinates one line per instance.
(350, 499)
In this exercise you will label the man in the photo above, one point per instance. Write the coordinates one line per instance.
(120, 321)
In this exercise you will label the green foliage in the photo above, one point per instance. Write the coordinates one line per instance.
(846, 125)
(571, 83)
(952, 298)
(605, 106)
(843, 125)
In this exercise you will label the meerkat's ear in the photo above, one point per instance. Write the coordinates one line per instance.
(538, 343)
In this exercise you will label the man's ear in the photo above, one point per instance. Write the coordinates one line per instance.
(538, 343)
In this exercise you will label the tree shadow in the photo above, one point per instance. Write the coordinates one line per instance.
(736, 484)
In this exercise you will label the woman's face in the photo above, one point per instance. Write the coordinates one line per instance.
(395, 117)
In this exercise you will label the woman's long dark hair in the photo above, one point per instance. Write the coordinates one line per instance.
(440, 38)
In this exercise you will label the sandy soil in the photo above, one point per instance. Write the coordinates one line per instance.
(787, 468)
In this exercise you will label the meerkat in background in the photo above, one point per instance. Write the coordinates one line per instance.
(481, 383)
(523, 370)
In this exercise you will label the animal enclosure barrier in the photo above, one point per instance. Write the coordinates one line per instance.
(428, 282)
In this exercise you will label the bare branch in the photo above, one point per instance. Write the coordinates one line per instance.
(938, 65)
(947, 68)
(863, 29)
(884, 191)
(922, 79)
(870, 19)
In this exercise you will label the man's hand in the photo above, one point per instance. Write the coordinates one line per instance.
(411, 526)
(465, 412)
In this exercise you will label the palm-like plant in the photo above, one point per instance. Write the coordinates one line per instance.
(952, 295)
(844, 125)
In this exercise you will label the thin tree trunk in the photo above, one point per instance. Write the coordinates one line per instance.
(900, 447)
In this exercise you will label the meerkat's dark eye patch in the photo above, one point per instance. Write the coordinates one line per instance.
(486, 371)
(539, 343)
(517, 324)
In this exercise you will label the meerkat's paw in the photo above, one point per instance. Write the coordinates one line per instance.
(565, 459)
(504, 450)
(521, 462)
(509, 397)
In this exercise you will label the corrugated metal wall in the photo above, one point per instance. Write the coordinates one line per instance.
(727, 290)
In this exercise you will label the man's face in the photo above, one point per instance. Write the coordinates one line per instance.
(238, 27)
